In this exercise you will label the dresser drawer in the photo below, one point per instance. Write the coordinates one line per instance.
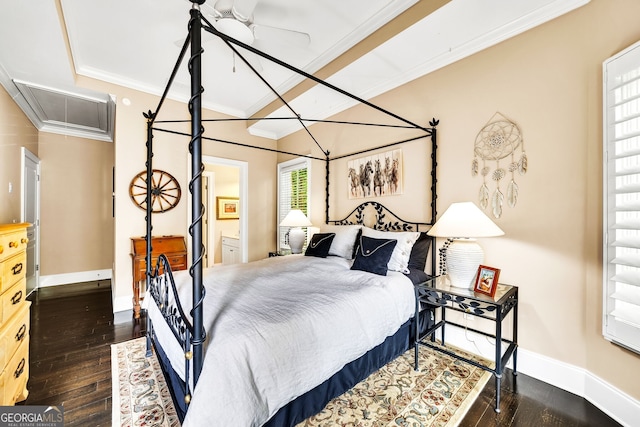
(13, 333)
(12, 270)
(177, 262)
(13, 242)
(12, 300)
(13, 381)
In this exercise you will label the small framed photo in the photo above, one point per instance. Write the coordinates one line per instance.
(227, 208)
(487, 280)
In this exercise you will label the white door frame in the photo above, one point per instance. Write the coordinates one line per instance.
(25, 156)
(211, 219)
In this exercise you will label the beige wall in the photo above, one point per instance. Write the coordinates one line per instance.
(16, 131)
(76, 204)
(548, 81)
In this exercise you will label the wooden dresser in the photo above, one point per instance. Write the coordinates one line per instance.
(173, 247)
(14, 314)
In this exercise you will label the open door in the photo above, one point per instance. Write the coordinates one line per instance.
(30, 194)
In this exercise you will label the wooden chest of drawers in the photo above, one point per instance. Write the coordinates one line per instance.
(14, 314)
(173, 247)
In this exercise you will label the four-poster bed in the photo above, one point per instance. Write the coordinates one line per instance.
(282, 336)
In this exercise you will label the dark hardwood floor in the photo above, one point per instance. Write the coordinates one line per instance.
(72, 329)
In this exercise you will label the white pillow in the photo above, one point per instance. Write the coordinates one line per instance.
(402, 252)
(344, 241)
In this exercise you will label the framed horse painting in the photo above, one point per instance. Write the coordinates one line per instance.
(375, 175)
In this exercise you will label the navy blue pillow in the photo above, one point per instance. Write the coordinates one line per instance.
(373, 255)
(419, 251)
(320, 244)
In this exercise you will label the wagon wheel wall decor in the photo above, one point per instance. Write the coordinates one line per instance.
(498, 139)
(165, 191)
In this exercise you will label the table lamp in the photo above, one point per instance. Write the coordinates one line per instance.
(296, 219)
(462, 222)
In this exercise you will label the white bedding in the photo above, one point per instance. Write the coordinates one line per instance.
(279, 327)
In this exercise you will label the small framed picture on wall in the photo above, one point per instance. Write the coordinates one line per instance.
(227, 208)
(487, 280)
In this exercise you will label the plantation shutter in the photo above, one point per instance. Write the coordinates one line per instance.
(621, 310)
(293, 192)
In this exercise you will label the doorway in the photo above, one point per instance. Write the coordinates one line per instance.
(211, 233)
(30, 213)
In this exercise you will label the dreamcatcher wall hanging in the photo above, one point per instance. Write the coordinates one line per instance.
(499, 139)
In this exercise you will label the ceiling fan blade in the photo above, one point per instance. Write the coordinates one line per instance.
(281, 36)
(243, 9)
(210, 11)
(221, 5)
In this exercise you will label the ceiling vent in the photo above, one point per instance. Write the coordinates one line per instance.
(68, 113)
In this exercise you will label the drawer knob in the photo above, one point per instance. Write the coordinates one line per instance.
(24, 240)
(1, 249)
(13, 244)
(16, 298)
(19, 369)
(17, 269)
(21, 332)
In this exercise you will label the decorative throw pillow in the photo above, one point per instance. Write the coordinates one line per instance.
(344, 241)
(320, 244)
(400, 257)
(373, 255)
(419, 252)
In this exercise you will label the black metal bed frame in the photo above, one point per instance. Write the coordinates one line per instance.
(160, 284)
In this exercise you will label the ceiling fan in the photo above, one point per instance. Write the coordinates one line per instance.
(235, 19)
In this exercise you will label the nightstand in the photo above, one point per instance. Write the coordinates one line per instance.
(281, 252)
(439, 293)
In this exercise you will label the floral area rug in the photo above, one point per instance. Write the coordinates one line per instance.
(439, 395)
(140, 393)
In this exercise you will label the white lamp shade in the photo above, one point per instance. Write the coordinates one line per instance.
(461, 222)
(464, 219)
(295, 218)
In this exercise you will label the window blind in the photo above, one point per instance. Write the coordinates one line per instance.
(293, 192)
(621, 192)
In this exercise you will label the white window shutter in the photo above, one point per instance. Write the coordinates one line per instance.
(621, 193)
(293, 192)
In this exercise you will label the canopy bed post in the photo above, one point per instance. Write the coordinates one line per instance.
(326, 191)
(434, 180)
(195, 186)
(136, 290)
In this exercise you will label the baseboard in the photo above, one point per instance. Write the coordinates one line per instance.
(124, 303)
(78, 277)
(613, 402)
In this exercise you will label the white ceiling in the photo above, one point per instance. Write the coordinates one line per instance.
(135, 43)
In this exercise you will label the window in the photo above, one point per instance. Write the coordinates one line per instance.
(621, 193)
(293, 192)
